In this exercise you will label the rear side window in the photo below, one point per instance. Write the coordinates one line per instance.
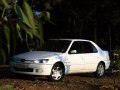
(88, 47)
(83, 47)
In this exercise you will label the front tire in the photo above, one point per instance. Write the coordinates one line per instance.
(100, 71)
(57, 73)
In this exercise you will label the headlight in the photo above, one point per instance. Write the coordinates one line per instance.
(36, 61)
(44, 60)
(41, 61)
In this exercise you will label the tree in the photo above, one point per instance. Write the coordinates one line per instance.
(18, 23)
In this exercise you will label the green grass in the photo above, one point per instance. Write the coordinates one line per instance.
(7, 87)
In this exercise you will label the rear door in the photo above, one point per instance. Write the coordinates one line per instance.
(91, 58)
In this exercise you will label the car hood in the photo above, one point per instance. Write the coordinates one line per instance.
(36, 55)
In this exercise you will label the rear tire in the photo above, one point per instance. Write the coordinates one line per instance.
(57, 73)
(100, 71)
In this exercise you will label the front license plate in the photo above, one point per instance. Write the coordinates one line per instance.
(21, 65)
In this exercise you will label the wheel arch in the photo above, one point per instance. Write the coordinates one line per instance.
(102, 62)
(60, 63)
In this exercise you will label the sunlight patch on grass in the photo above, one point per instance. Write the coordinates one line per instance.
(7, 87)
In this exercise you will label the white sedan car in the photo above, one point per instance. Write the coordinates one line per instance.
(62, 56)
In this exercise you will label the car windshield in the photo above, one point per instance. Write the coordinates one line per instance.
(56, 45)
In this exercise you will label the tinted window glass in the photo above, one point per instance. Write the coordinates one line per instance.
(76, 46)
(88, 47)
(56, 45)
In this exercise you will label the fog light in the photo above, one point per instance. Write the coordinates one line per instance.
(36, 70)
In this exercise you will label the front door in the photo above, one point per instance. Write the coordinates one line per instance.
(75, 58)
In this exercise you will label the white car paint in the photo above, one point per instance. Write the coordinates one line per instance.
(74, 63)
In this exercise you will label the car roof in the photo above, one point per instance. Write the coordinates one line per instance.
(72, 39)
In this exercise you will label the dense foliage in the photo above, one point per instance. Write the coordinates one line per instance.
(97, 20)
(18, 23)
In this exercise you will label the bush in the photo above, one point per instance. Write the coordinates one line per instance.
(116, 62)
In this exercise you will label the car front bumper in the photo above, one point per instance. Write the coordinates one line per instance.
(31, 69)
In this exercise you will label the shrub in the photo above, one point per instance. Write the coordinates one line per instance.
(116, 63)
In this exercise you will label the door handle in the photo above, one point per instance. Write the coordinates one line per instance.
(67, 62)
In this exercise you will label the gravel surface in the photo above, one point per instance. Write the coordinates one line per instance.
(111, 81)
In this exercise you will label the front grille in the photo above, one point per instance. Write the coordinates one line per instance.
(23, 69)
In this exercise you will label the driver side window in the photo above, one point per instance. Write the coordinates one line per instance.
(76, 46)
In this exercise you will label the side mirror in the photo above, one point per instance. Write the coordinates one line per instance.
(73, 51)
